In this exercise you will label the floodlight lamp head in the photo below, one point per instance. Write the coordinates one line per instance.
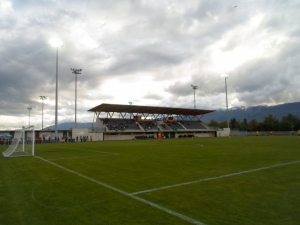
(55, 42)
(76, 71)
(43, 97)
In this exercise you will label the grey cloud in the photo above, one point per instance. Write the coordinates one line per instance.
(144, 59)
(152, 96)
(169, 41)
(207, 85)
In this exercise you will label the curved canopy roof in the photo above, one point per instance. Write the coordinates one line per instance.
(148, 109)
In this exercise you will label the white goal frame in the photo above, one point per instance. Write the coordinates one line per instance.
(19, 145)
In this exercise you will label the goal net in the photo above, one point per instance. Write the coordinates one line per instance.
(22, 144)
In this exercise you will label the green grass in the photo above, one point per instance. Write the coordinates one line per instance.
(96, 183)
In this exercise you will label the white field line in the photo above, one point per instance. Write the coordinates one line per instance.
(181, 216)
(213, 178)
(82, 149)
(103, 155)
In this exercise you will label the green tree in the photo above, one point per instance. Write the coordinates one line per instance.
(289, 122)
(253, 125)
(286, 125)
(270, 123)
(243, 125)
(213, 123)
(233, 123)
(238, 125)
(223, 124)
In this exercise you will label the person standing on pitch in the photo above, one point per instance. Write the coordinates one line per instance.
(159, 136)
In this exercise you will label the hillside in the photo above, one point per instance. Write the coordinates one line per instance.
(254, 112)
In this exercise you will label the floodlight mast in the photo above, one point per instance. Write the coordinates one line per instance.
(194, 87)
(76, 71)
(226, 100)
(56, 43)
(56, 93)
(130, 103)
(43, 98)
(29, 108)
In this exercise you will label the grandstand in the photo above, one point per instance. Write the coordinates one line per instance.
(127, 122)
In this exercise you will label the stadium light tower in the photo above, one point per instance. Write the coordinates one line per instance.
(43, 98)
(226, 76)
(29, 108)
(76, 71)
(194, 87)
(130, 103)
(56, 43)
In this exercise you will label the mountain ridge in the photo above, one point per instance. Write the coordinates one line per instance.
(254, 112)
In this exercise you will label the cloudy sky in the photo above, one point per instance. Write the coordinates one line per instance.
(145, 52)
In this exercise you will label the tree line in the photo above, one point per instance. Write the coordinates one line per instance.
(270, 123)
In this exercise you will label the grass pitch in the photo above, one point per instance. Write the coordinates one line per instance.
(239, 180)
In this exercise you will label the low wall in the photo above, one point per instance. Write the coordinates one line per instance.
(96, 136)
(210, 134)
(225, 132)
(275, 133)
(119, 137)
(77, 132)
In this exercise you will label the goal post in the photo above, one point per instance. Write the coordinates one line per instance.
(22, 144)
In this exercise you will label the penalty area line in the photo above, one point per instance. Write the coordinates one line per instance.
(213, 178)
(171, 212)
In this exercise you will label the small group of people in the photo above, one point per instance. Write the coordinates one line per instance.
(149, 125)
(84, 138)
(66, 139)
(5, 141)
(43, 139)
(292, 133)
(77, 139)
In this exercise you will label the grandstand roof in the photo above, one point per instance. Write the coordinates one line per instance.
(148, 109)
